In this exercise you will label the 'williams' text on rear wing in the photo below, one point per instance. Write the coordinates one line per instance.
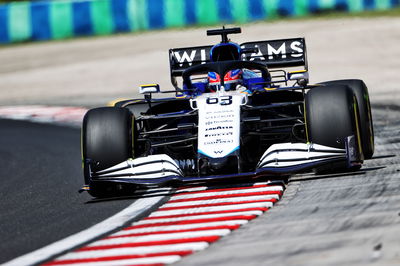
(274, 54)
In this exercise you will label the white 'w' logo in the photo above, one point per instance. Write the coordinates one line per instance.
(185, 57)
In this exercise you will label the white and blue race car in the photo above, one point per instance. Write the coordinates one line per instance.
(240, 113)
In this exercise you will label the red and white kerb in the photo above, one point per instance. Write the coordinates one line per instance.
(190, 221)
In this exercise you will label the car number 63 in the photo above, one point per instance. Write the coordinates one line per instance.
(224, 100)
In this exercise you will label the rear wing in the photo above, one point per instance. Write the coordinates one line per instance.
(183, 58)
(277, 53)
(274, 54)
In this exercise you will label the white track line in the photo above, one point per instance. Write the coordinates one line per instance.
(195, 246)
(191, 189)
(228, 192)
(118, 220)
(179, 227)
(159, 237)
(197, 217)
(211, 209)
(220, 200)
(150, 260)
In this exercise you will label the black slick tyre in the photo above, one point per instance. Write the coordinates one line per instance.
(106, 141)
(360, 90)
(331, 115)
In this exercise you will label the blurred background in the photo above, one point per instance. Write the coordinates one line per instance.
(59, 19)
(87, 52)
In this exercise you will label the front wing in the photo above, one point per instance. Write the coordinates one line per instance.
(278, 160)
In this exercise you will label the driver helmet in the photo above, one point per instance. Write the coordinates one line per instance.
(225, 52)
(231, 80)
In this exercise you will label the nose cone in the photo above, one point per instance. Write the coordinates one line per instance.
(216, 166)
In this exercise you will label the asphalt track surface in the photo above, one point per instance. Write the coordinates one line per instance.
(40, 178)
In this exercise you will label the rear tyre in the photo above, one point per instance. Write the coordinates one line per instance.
(331, 115)
(360, 90)
(106, 141)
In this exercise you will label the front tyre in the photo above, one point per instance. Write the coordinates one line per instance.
(360, 90)
(106, 141)
(331, 114)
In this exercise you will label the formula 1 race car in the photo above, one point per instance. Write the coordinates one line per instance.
(238, 114)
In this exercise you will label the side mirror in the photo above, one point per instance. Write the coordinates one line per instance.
(301, 76)
(149, 88)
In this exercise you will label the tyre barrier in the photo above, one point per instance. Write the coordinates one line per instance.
(46, 20)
